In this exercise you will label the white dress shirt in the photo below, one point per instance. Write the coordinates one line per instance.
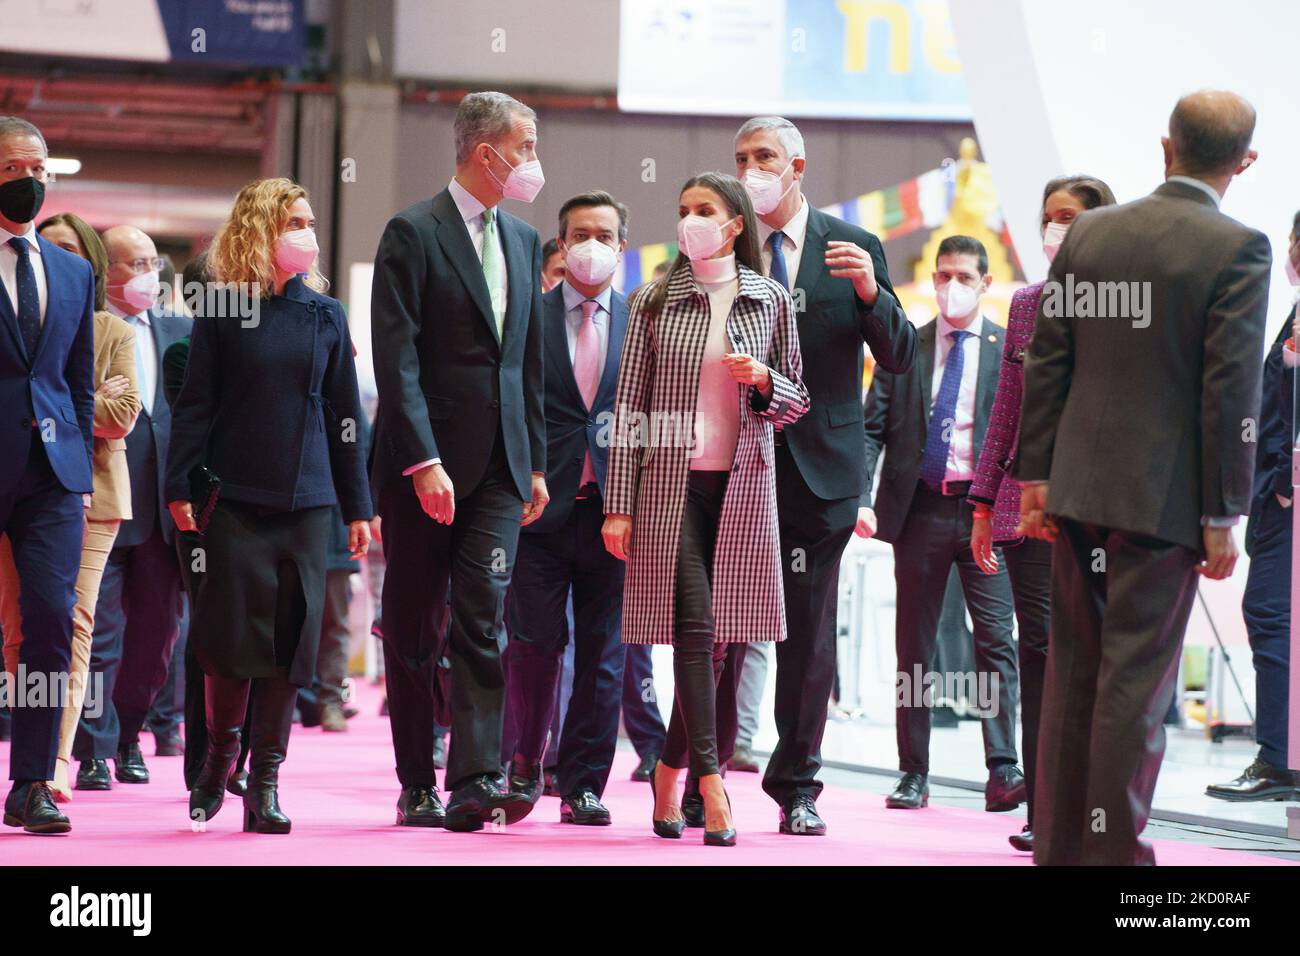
(9, 267)
(1198, 184)
(146, 354)
(471, 210)
(796, 231)
(961, 446)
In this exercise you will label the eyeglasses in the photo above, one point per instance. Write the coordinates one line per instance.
(155, 264)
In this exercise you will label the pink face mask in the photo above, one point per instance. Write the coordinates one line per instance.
(699, 238)
(296, 250)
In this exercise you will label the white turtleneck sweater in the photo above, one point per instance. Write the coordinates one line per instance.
(717, 407)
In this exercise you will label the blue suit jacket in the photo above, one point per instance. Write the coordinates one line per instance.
(55, 387)
(571, 429)
(147, 444)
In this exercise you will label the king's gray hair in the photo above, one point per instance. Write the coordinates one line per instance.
(786, 132)
(17, 126)
(485, 118)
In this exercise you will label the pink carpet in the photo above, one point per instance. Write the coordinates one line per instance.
(340, 791)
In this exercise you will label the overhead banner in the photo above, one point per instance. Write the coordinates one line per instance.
(260, 33)
(856, 59)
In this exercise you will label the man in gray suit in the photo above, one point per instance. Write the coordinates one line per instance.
(1136, 453)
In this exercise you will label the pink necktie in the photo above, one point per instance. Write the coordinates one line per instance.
(586, 370)
(586, 354)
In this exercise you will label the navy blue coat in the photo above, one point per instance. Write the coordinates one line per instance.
(146, 445)
(56, 388)
(267, 408)
(572, 430)
(1273, 449)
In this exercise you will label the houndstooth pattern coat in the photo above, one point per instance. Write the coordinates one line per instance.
(649, 466)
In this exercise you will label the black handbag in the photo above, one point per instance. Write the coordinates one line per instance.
(205, 489)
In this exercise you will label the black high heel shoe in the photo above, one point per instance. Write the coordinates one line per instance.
(226, 702)
(725, 837)
(273, 702)
(668, 829)
(262, 813)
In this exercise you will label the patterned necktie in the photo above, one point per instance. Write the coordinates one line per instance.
(777, 271)
(586, 354)
(586, 369)
(494, 268)
(943, 416)
(29, 299)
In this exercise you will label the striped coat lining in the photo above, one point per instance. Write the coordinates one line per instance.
(649, 461)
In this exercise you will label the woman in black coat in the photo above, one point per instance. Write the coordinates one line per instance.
(270, 407)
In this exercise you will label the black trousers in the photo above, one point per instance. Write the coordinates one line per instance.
(474, 557)
(1029, 564)
(549, 566)
(697, 657)
(814, 533)
(1120, 604)
(1266, 607)
(137, 622)
(935, 537)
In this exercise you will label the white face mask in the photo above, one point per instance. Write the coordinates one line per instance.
(141, 292)
(765, 190)
(1053, 236)
(296, 250)
(956, 300)
(524, 182)
(1292, 276)
(699, 238)
(590, 262)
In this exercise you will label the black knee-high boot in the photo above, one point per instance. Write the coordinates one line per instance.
(273, 702)
(226, 699)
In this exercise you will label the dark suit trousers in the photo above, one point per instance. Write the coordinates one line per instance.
(814, 532)
(474, 556)
(1267, 610)
(641, 717)
(548, 566)
(1029, 564)
(1120, 604)
(45, 524)
(137, 621)
(935, 536)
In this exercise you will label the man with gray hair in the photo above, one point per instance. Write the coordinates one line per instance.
(47, 304)
(459, 453)
(1136, 457)
(840, 282)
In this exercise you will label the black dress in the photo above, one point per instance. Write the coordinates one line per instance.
(272, 408)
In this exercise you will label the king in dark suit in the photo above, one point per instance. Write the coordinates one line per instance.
(837, 275)
(563, 551)
(1136, 455)
(47, 361)
(459, 452)
(930, 421)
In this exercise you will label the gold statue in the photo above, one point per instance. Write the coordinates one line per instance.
(974, 202)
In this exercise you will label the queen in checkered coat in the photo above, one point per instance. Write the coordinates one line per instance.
(710, 365)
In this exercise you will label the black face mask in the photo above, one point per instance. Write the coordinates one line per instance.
(21, 199)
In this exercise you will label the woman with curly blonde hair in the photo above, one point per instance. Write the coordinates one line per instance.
(269, 407)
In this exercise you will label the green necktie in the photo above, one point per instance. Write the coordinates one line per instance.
(494, 268)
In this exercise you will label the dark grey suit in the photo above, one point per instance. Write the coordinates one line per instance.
(930, 533)
(1141, 426)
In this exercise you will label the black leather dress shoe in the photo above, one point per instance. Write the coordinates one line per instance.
(130, 765)
(31, 806)
(1005, 789)
(168, 745)
(420, 807)
(585, 809)
(526, 779)
(645, 770)
(1261, 781)
(799, 817)
(693, 804)
(94, 775)
(911, 793)
(1023, 841)
(482, 801)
